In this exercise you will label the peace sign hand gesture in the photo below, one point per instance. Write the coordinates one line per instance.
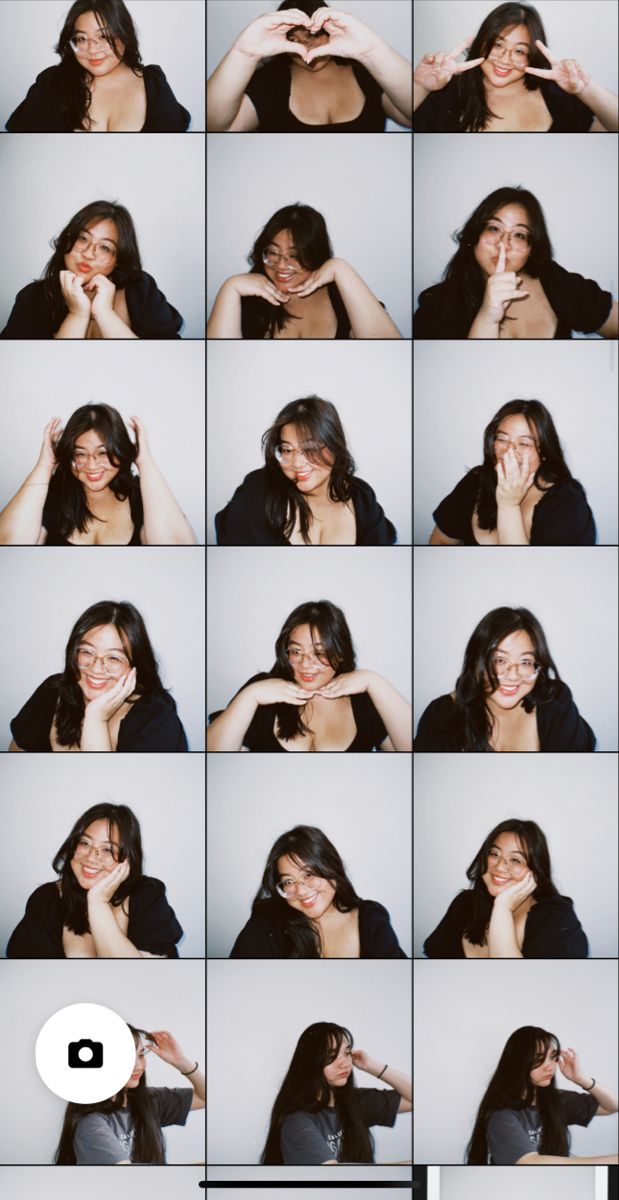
(567, 72)
(435, 70)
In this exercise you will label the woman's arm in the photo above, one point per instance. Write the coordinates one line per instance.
(21, 520)
(14, 748)
(77, 320)
(228, 109)
(393, 73)
(167, 1048)
(95, 734)
(569, 1064)
(225, 319)
(102, 309)
(228, 730)
(351, 38)
(108, 938)
(501, 937)
(397, 1080)
(610, 328)
(552, 1160)
(513, 482)
(438, 538)
(164, 523)
(367, 316)
(573, 79)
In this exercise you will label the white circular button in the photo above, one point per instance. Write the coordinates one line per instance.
(85, 1053)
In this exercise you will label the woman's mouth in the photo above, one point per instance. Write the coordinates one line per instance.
(284, 278)
(96, 62)
(501, 72)
(508, 689)
(309, 900)
(498, 882)
(97, 684)
(302, 476)
(94, 478)
(308, 678)
(84, 268)
(90, 872)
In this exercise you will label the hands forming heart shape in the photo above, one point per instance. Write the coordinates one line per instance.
(306, 38)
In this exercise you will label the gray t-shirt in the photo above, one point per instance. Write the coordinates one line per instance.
(309, 1138)
(104, 1138)
(514, 1132)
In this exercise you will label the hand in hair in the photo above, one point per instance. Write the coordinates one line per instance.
(103, 707)
(513, 479)
(436, 70)
(266, 36)
(569, 1063)
(567, 72)
(51, 436)
(73, 294)
(514, 895)
(501, 289)
(365, 1062)
(141, 440)
(103, 890)
(348, 36)
(166, 1047)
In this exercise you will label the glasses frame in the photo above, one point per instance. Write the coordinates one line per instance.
(80, 853)
(103, 257)
(279, 258)
(297, 883)
(97, 40)
(98, 459)
(301, 655)
(516, 667)
(510, 53)
(503, 441)
(524, 866)
(101, 658)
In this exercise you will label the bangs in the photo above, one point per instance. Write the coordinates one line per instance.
(305, 433)
(543, 1046)
(309, 864)
(339, 1035)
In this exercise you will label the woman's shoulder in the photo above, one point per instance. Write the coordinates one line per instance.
(164, 113)
(569, 114)
(260, 937)
(46, 896)
(577, 300)
(438, 113)
(373, 526)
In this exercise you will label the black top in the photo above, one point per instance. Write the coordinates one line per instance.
(263, 937)
(552, 930)
(260, 737)
(269, 92)
(152, 923)
(513, 1132)
(41, 111)
(439, 112)
(578, 303)
(50, 520)
(243, 521)
(561, 518)
(252, 306)
(151, 315)
(560, 726)
(152, 725)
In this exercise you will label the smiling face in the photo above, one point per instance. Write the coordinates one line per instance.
(96, 853)
(516, 668)
(515, 433)
(310, 673)
(308, 474)
(543, 1074)
(285, 273)
(500, 68)
(312, 895)
(91, 464)
(310, 42)
(338, 1072)
(94, 251)
(511, 226)
(95, 676)
(507, 863)
(98, 56)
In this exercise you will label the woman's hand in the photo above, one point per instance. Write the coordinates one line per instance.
(317, 279)
(266, 36)
(501, 289)
(513, 479)
(103, 890)
(510, 897)
(436, 70)
(351, 683)
(141, 440)
(102, 291)
(168, 1049)
(567, 72)
(103, 707)
(51, 436)
(279, 691)
(74, 296)
(569, 1064)
(366, 1063)
(348, 36)
(258, 285)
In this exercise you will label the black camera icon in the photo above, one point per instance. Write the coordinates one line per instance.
(85, 1053)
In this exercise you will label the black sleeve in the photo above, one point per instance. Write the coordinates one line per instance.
(379, 1105)
(268, 90)
(581, 303)
(172, 1104)
(433, 730)
(553, 930)
(568, 113)
(31, 727)
(152, 922)
(377, 936)
(560, 725)
(371, 729)
(579, 1108)
(373, 527)
(256, 940)
(454, 513)
(437, 114)
(563, 518)
(446, 940)
(242, 522)
(429, 321)
(152, 725)
(259, 735)
(29, 317)
(152, 316)
(164, 114)
(40, 111)
(39, 933)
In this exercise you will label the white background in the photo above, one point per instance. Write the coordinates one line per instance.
(152, 995)
(458, 801)
(542, 1183)
(360, 183)
(339, 796)
(252, 590)
(573, 177)
(571, 590)
(257, 1013)
(172, 39)
(43, 797)
(305, 1175)
(323, 1193)
(464, 385)
(464, 1014)
(369, 382)
(159, 179)
(161, 382)
(592, 40)
(64, 1183)
(42, 595)
(390, 19)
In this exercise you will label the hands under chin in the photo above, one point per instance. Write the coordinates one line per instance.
(351, 683)
(103, 708)
(101, 292)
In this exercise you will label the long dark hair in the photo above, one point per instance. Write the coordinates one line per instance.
(148, 1144)
(74, 897)
(132, 631)
(115, 18)
(128, 262)
(305, 1088)
(464, 280)
(309, 847)
(329, 627)
(472, 720)
(535, 850)
(474, 112)
(316, 422)
(511, 1087)
(553, 468)
(309, 231)
(65, 491)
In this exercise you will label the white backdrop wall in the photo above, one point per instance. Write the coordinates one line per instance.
(46, 180)
(464, 1014)
(63, 1183)
(155, 995)
(573, 593)
(42, 799)
(465, 385)
(161, 382)
(457, 801)
(390, 19)
(254, 1022)
(337, 795)
(323, 1193)
(43, 593)
(542, 1183)
(360, 183)
(369, 382)
(580, 214)
(283, 1175)
(592, 41)
(170, 36)
(252, 590)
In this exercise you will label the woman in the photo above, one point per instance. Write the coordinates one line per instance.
(319, 1115)
(82, 492)
(515, 90)
(306, 907)
(106, 89)
(523, 494)
(296, 288)
(508, 697)
(512, 908)
(308, 493)
(101, 905)
(503, 282)
(109, 696)
(328, 73)
(94, 285)
(127, 1128)
(314, 697)
(523, 1118)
